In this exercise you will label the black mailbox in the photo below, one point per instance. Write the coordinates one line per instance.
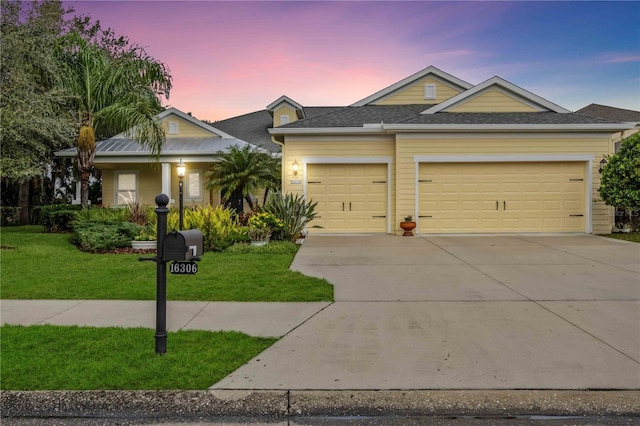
(183, 246)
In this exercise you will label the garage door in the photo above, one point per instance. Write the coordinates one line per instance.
(350, 197)
(501, 197)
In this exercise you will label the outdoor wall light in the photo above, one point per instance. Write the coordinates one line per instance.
(182, 168)
(295, 166)
(603, 163)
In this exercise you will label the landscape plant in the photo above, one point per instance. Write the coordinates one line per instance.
(620, 179)
(292, 210)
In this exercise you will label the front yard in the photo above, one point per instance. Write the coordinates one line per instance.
(36, 265)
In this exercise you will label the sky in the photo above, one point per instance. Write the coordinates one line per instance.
(229, 58)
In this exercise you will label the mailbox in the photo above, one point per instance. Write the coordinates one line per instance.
(183, 246)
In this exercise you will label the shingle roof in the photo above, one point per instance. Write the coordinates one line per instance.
(610, 113)
(411, 114)
(253, 127)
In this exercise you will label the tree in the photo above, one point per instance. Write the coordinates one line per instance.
(33, 125)
(245, 169)
(110, 87)
(620, 180)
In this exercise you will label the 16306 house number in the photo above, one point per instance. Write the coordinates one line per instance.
(183, 268)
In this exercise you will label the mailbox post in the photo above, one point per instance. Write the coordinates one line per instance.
(184, 249)
(161, 276)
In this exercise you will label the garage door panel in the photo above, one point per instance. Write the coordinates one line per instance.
(531, 197)
(349, 195)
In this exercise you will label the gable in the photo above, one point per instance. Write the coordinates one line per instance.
(493, 100)
(178, 127)
(282, 111)
(416, 93)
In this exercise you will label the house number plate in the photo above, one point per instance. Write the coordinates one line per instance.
(183, 268)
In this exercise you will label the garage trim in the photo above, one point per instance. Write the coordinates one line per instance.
(351, 160)
(588, 159)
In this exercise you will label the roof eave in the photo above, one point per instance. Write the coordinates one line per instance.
(599, 127)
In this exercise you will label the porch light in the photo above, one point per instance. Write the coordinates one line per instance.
(295, 166)
(182, 168)
(603, 163)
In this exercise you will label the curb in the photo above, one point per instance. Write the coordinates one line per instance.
(302, 403)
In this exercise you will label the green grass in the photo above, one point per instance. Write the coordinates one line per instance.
(87, 358)
(633, 237)
(48, 266)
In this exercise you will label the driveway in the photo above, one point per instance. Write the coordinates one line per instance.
(462, 312)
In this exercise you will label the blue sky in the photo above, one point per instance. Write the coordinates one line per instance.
(230, 58)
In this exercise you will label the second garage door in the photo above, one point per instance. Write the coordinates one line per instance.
(350, 197)
(502, 197)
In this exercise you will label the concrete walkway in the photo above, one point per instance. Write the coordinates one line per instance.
(462, 312)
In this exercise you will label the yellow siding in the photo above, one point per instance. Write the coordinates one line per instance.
(185, 129)
(284, 110)
(414, 94)
(316, 147)
(410, 145)
(492, 100)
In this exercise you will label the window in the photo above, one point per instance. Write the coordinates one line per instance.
(429, 91)
(194, 185)
(284, 119)
(173, 128)
(126, 187)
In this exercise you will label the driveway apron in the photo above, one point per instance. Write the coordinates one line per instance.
(462, 312)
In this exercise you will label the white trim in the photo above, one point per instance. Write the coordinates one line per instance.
(116, 187)
(187, 194)
(587, 159)
(166, 179)
(412, 79)
(286, 100)
(496, 81)
(351, 160)
(430, 91)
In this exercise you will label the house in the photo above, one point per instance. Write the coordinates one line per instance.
(459, 158)
(128, 169)
(616, 114)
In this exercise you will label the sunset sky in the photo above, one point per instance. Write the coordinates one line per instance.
(231, 58)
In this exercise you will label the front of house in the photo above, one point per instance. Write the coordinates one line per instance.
(458, 158)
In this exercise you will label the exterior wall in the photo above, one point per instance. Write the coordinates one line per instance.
(149, 184)
(304, 148)
(410, 145)
(493, 100)
(414, 94)
(185, 129)
(284, 110)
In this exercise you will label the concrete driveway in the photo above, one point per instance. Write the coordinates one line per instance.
(462, 312)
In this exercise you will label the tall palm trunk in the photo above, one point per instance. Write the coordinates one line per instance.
(86, 154)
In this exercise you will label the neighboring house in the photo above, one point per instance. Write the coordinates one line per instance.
(459, 158)
(128, 169)
(627, 116)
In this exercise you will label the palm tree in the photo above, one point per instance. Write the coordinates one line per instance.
(111, 92)
(246, 170)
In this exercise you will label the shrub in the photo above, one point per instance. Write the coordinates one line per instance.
(94, 237)
(9, 216)
(59, 220)
(293, 211)
(219, 226)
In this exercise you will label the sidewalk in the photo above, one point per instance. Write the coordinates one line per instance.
(262, 319)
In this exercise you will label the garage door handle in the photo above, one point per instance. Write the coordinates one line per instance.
(504, 205)
(314, 182)
(496, 205)
(425, 216)
(342, 206)
(349, 205)
(378, 216)
(576, 215)
(425, 180)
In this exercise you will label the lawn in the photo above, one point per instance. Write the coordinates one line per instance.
(49, 357)
(633, 237)
(36, 265)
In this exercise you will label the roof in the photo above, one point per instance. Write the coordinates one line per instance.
(412, 114)
(253, 127)
(610, 113)
(119, 146)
